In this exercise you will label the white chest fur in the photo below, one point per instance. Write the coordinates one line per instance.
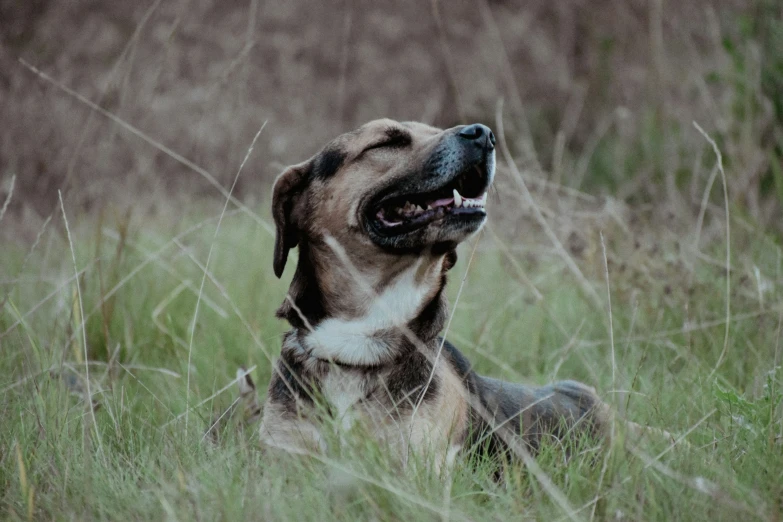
(343, 390)
(354, 341)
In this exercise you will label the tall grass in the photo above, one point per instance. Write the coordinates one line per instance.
(522, 316)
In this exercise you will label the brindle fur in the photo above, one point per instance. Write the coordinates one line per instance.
(340, 276)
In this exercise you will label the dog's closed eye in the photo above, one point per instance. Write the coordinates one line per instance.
(394, 138)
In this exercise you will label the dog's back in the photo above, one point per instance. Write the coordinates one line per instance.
(502, 409)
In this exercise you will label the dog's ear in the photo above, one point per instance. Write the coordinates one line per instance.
(289, 187)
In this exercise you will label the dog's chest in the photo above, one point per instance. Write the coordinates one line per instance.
(343, 390)
(377, 398)
(392, 407)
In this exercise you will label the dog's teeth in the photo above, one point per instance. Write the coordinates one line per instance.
(419, 208)
(457, 199)
(429, 207)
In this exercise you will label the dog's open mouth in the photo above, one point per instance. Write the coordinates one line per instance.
(465, 195)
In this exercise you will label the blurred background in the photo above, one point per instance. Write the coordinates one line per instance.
(598, 95)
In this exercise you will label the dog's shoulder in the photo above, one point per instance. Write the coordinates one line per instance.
(458, 363)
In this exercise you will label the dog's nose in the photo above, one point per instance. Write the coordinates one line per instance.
(479, 133)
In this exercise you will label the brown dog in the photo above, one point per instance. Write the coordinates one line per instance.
(377, 216)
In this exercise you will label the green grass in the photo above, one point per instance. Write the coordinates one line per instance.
(140, 459)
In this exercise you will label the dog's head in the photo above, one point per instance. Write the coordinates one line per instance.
(387, 188)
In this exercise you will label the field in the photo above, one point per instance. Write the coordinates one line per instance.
(633, 243)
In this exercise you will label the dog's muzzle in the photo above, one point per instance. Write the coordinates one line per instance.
(449, 191)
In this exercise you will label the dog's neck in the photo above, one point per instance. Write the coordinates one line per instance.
(365, 315)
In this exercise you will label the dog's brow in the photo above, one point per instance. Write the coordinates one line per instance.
(396, 133)
(328, 163)
(389, 137)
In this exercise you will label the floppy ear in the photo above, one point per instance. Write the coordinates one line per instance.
(289, 186)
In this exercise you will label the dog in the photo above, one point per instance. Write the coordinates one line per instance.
(377, 215)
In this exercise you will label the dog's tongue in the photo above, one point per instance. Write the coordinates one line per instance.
(441, 202)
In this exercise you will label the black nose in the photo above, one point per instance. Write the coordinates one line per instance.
(479, 133)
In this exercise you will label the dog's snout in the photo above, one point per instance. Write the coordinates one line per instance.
(480, 134)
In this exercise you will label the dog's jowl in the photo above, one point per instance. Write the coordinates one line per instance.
(377, 216)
